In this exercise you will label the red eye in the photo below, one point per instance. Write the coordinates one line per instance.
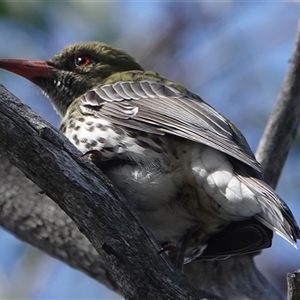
(83, 61)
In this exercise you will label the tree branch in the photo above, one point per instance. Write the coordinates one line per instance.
(283, 123)
(100, 212)
(39, 221)
(293, 282)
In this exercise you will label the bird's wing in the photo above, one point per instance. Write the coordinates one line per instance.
(274, 214)
(160, 108)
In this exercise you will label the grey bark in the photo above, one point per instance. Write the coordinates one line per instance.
(293, 281)
(235, 278)
(283, 123)
(39, 221)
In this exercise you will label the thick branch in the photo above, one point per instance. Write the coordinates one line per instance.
(39, 221)
(99, 211)
(234, 278)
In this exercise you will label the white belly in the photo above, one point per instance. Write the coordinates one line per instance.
(186, 186)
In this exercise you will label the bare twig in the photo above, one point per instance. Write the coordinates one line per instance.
(283, 123)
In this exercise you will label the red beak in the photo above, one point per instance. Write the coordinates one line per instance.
(27, 68)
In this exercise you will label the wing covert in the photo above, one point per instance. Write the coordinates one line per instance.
(161, 108)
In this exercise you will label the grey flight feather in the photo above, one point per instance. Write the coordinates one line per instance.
(159, 108)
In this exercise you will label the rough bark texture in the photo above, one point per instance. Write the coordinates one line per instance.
(99, 211)
(234, 278)
(126, 257)
(39, 221)
(293, 281)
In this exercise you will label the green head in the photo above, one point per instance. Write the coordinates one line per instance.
(73, 71)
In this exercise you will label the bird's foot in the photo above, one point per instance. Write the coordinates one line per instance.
(94, 156)
(172, 252)
(177, 253)
(182, 248)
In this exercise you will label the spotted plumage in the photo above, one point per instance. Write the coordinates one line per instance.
(187, 170)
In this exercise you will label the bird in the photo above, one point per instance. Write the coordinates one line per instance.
(186, 169)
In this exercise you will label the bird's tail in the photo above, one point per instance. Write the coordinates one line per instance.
(275, 213)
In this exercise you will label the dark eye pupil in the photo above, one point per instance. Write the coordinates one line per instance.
(83, 61)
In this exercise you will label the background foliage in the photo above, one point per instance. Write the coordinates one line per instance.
(233, 54)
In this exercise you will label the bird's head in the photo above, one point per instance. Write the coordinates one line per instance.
(73, 71)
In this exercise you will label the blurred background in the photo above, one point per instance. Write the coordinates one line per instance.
(233, 54)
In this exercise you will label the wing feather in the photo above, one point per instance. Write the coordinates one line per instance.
(275, 213)
(129, 91)
(162, 108)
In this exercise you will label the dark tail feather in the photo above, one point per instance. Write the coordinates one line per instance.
(238, 238)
